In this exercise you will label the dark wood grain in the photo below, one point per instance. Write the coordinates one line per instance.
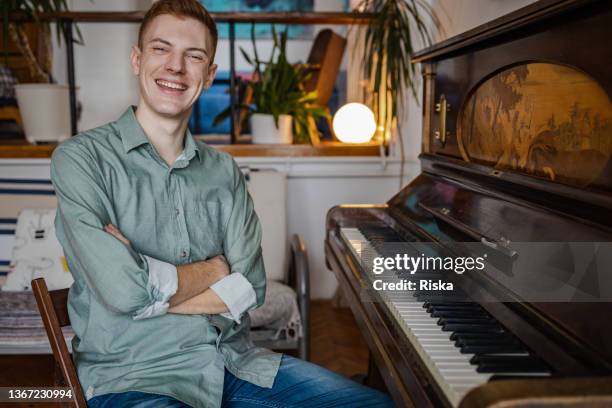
(54, 312)
(237, 17)
(537, 12)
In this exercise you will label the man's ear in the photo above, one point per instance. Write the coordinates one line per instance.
(212, 72)
(135, 55)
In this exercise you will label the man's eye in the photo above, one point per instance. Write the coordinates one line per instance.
(196, 57)
(159, 49)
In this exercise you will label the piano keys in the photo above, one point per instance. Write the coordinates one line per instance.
(496, 179)
(462, 345)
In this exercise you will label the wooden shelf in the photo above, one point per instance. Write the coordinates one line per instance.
(276, 17)
(301, 150)
(22, 150)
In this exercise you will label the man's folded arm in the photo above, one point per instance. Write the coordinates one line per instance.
(119, 276)
(244, 288)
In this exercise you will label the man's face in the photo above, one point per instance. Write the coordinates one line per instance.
(174, 64)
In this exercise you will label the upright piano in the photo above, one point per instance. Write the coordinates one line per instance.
(516, 156)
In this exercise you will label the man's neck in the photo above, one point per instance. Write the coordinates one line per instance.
(167, 135)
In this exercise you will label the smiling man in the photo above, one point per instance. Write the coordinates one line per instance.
(161, 237)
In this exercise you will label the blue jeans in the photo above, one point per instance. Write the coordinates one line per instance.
(297, 384)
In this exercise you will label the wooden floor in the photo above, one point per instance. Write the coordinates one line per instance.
(336, 342)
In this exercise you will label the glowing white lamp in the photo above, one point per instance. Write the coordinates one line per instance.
(354, 123)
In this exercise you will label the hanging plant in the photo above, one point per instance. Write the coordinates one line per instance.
(388, 44)
(40, 68)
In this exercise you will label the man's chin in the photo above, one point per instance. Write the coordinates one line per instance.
(169, 112)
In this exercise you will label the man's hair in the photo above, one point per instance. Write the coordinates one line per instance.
(181, 9)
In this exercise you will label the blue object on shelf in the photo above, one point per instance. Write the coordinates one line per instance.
(212, 102)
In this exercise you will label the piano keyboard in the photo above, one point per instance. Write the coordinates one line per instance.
(460, 343)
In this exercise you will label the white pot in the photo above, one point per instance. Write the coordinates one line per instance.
(45, 110)
(264, 129)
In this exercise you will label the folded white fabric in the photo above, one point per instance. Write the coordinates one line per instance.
(37, 253)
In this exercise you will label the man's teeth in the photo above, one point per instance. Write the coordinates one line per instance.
(171, 85)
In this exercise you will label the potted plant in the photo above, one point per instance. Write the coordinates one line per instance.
(44, 105)
(386, 54)
(279, 105)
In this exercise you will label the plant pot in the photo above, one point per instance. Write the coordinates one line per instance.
(45, 111)
(264, 129)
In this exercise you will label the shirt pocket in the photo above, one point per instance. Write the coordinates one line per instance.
(208, 229)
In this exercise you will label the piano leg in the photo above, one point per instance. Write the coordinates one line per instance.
(374, 379)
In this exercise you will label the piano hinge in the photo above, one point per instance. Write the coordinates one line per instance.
(442, 107)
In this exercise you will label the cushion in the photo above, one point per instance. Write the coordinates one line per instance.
(268, 190)
(37, 253)
(279, 312)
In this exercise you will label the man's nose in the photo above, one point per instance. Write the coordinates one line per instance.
(175, 63)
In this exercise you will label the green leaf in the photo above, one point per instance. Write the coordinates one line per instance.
(246, 56)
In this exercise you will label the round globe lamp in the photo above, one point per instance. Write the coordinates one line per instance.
(354, 123)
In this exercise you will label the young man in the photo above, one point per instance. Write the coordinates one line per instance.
(164, 245)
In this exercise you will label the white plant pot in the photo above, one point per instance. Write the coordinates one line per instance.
(45, 110)
(264, 129)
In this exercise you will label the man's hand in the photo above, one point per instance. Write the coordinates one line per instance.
(193, 278)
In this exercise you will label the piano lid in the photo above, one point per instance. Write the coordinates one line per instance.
(525, 101)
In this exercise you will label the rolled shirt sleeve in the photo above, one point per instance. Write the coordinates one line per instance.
(237, 293)
(163, 281)
(117, 275)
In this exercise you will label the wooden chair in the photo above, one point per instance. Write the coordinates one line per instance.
(53, 307)
(324, 61)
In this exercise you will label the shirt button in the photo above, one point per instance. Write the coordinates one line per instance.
(177, 211)
(183, 253)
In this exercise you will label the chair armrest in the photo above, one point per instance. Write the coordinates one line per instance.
(299, 279)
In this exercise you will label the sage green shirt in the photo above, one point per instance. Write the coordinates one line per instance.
(195, 209)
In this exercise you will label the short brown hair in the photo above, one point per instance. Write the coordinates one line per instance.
(182, 9)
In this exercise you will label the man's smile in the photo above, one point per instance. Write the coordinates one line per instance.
(169, 85)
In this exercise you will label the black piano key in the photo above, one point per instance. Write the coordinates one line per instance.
(481, 349)
(491, 363)
(461, 320)
(511, 368)
(471, 335)
(434, 296)
(451, 306)
(519, 376)
(473, 328)
(485, 341)
(459, 313)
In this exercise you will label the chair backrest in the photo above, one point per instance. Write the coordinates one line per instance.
(268, 189)
(53, 307)
(326, 54)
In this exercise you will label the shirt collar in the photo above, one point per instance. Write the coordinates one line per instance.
(132, 135)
